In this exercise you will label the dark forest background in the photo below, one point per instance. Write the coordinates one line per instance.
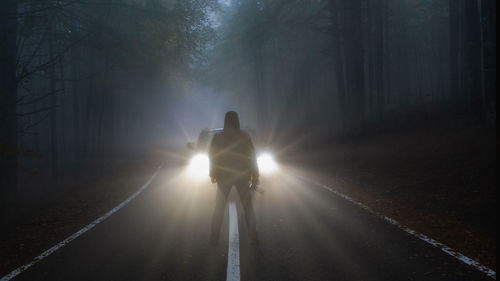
(84, 80)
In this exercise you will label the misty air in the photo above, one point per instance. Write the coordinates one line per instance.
(248, 140)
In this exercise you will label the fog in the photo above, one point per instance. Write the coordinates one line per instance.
(368, 149)
(85, 80)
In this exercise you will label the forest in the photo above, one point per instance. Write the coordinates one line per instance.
(81, 79)
(398, 93)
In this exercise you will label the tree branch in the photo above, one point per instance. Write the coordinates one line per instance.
(36, 111)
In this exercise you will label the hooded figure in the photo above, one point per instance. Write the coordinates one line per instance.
(232, 163)
(231, 121)
(232, 154)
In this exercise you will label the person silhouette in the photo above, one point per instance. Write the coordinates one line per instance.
(233, 163)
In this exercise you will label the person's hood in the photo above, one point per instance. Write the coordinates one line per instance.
(231, 121)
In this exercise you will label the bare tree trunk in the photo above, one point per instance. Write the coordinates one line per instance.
(8, 98)
(355, 70)
(386, 58)
(339, 58)
(260, 87)
(489, 49)
(379, 57)
(76, 109)
(370, 57)
(88, 105)
(53, 114)
(454, 49)
(62, 116)
(481, 46)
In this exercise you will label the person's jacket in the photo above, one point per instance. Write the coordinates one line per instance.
(232, 156)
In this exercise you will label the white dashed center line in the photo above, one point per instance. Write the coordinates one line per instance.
(233, 256)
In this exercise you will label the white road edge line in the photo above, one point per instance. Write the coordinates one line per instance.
(448, 250)
(61, 244)
(233, 255)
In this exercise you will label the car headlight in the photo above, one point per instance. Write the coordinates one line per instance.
(266, 163)
(199, 166)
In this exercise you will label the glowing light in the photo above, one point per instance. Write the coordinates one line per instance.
(266, 163)
(199, 166)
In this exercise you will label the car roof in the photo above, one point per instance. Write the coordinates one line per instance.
(221, 129)
(212, 130)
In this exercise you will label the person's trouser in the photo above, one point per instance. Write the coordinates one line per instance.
(223, 190)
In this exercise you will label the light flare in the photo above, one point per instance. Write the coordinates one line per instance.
(266, 163)
(199, 166)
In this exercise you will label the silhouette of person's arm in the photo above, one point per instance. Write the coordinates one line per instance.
(212, 154)
(254, 166)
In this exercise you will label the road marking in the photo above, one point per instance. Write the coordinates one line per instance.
(61, 244)
(448, 250)
(233, 255)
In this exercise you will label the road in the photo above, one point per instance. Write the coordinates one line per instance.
(306, 233)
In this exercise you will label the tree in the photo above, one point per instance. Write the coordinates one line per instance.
(8, 100)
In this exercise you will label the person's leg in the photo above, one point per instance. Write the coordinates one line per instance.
(246, 201)
(218, 215)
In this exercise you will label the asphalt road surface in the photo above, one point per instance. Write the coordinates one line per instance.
(306, 233)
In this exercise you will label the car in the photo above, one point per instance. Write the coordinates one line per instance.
(199, 163)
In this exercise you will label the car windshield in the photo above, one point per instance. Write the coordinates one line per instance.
(204, 140)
